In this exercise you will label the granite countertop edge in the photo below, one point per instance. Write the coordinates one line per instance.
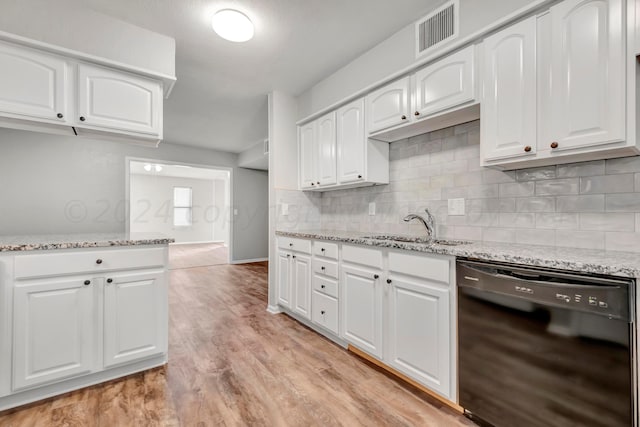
(623, 264)
(48, 242)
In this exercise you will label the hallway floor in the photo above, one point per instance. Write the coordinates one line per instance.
(197, 255)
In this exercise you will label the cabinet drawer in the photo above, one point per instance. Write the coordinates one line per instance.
(87, 261)
(325, 285)
(324, 249)
(328, 268)
(299, 245)
(362, 255)
(325, 311)
(420, 265)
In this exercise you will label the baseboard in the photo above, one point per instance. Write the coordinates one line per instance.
(366, 356)
(273, 309)
(249, 261)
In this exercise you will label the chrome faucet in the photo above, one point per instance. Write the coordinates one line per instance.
(429, 222)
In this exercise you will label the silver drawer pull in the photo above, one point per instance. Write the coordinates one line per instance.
(473, 279)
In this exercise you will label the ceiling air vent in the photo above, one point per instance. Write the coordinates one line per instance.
(439, 26)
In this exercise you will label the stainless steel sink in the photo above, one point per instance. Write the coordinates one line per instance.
(414, 239)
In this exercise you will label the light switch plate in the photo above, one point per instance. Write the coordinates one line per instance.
(285, 209)
(372, 208)
(456, 206)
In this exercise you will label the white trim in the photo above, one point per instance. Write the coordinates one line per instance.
(168, 82)
(204, 242)
(533, 7)
(274, 309)
(129, 159)
(248, 261)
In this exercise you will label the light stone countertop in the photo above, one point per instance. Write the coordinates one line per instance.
(623, 264)
(82, 240)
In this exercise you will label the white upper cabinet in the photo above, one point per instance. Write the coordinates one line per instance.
(588, 73)
(351, 142)
(508, 124)
(308, 150)
(389, 106)
(447, 83)
(120, 101)
(326, 134)
(33, 84)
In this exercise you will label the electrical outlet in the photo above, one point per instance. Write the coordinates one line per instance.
(235, 212)
(456, 206)
(372, 208)
(285, 209)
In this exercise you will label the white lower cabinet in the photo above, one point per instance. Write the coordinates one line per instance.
(133, 316)
(293, 278)
(362, 308)
(53, 331)
(325, 311)
(301, 281)
(419, 335)
(69, 329)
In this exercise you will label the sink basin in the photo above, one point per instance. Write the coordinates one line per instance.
(414, 239)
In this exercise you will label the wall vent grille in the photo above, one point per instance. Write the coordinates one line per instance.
(439, 26)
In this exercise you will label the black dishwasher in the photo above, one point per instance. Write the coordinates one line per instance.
(544, 348)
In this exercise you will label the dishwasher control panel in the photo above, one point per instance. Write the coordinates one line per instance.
(603, 296)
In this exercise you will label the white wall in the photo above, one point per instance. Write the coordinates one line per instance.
(254, 157)
(62, 184)
(72, 25)
(221, 222)
(395, 54)
(151, 201)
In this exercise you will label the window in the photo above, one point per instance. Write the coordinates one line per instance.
(182, 207)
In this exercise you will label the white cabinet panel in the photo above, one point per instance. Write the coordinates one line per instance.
(301, 284)
(133, 317)
(33, 84)
(388, 106)
(326, 129)
(308, 155)
(283, 279)
(53, 331)
(325, 312)
(116, 100)
(419, 338)
(508, 122)
(362, 308)
(588, 70)
(352, 142)
(447, 83)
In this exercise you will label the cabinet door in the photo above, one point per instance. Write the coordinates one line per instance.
(588, 74)
(53, 331)
(446, 84)
(135, 316)
(115, 100)
(33, 84)
(362, 308)
(508, 122)
(301, 284)
(352, 142)
(388, 106)
(283, 279)
(307, 144)
(419, 333)
(326, 132)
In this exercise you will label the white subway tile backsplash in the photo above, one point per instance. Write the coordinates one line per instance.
(607, 221)
(562, 186)
(620, 183)
(560, 205)
(587, 203)
(623, 165)
(629, 202)
(571, 170)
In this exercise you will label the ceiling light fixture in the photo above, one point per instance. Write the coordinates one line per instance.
(147, 167)
(232, 25)
(158, 168)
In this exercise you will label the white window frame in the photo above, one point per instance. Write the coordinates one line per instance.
(189, 207)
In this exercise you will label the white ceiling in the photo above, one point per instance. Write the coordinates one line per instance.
(220, 99)
(178, 171)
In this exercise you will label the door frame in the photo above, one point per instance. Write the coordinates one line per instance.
(129, 159)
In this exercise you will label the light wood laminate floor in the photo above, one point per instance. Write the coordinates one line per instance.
(234, 364)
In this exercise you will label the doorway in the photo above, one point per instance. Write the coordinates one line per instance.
(189, 203)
